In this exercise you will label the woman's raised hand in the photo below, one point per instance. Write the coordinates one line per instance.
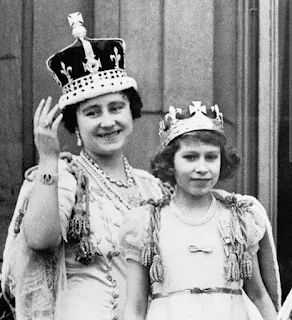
(46, 125)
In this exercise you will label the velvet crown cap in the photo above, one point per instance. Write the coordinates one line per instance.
(89, 67)
(195, 118)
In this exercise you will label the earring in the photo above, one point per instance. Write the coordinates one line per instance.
(79, 141)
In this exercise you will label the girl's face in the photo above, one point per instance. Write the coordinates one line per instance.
(197, 167)
(105, 123)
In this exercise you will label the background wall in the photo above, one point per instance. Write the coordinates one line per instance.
(177, 52)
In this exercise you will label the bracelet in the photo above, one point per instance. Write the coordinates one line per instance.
(46, 178)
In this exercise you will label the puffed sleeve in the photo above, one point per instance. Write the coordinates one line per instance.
(67, 188)
(133, 232)
(260, 236)
(262, 239)
(255, 222)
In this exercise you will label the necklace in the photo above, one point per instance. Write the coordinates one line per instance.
(128, 172)
(122, 204)
(193, 222)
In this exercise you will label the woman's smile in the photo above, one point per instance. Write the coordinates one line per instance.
(109, 135)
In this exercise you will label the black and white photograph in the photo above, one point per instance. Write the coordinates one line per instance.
(146, 160)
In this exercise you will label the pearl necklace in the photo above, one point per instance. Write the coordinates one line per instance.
(122, 204)
(190, 221)
(129, 176)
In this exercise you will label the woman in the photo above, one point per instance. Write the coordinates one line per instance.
(196, 251)
(62, 258)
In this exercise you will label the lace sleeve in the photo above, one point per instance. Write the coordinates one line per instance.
(133, 233)
(36, 279)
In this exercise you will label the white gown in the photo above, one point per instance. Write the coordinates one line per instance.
(186, 269)
(57, 287)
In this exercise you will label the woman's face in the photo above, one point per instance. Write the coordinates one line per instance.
(197, 167)
(105, 123)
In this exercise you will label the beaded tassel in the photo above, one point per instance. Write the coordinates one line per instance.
(156, 270)
(232, 268)
(151, 254)
(245, 266)
(147, 254)
(78, 225)
(86, 250)
(241, 269)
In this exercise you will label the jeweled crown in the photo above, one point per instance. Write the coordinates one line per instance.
(89, 67)
(196, 117)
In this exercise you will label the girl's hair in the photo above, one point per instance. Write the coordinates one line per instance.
(162, 165)
(69, 113)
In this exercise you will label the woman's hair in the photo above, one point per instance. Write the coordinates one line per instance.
(69, 113)
(162, 165)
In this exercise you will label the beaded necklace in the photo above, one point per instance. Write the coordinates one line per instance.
(128, 172)
(121, 203)
(190, 221)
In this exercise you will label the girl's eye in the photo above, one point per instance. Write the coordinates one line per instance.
(190, 157)
(212, 157)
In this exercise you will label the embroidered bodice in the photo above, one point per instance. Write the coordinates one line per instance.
(189, 253)
(193, 256)
(59, 285)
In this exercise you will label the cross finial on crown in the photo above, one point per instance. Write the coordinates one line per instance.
(76, 23)
(75, 19)
(197, 106)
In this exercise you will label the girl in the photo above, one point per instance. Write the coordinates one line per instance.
(195, 252)
(62, 258)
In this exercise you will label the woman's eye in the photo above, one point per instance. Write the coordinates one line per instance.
(117, 108)
(91, 113)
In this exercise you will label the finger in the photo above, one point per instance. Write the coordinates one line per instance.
(53, 114)
(56, 123)
(37, 113)
(45, 109)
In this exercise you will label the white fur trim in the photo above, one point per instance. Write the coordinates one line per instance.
(93, 86)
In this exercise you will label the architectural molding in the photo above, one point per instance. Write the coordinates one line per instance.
(247, 95)
(268, 108)
(242, 92)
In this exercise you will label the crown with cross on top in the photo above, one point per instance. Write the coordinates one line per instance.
(196, 117)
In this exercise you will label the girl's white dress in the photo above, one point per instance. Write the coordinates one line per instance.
(193, 257)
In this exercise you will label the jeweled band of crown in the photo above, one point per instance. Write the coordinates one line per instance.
(198, 117)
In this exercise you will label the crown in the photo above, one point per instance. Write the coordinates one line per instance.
(89, 67)
(197, 117)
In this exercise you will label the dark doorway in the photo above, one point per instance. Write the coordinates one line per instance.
(284, 243)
